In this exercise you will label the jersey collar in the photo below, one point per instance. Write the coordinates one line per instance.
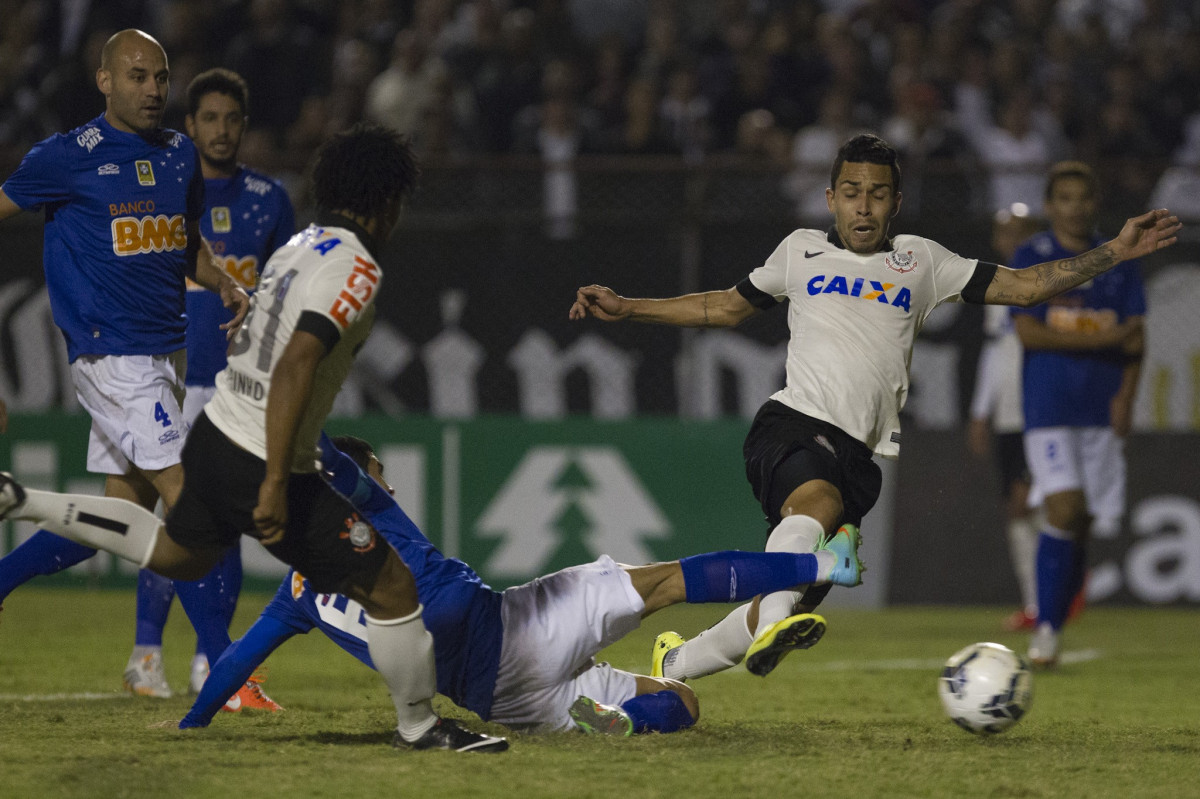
(328, 219)
(238, 171)
(836, 240)
(159, 137)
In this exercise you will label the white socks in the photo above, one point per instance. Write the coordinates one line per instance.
(720, 647)
(123, 528)
(402, 651)
(800, 534)
(1022, 548)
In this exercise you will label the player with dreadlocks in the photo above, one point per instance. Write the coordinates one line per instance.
(250, 459)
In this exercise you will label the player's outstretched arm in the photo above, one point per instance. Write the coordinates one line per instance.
(350, 481)
(707, 309)
(234, 667)
(1141, 236)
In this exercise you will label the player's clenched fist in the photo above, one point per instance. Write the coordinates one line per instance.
(599, 301)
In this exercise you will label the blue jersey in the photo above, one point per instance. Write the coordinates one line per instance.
(246, 218)
(117, 207)
(461, 612)
(1073, 388)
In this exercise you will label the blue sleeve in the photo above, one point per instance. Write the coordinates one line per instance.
(350, 481)
(340, 469)
(368, 496)
(234, 667)
(42, 178)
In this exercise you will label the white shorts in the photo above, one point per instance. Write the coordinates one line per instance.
(136, 405)
(197, 397)
(552, 628)
(1074, 458)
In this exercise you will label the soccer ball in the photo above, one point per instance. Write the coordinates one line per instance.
(986, 688)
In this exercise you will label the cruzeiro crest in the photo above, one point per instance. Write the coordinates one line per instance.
(145, 173)
(900, 261)
(220, 219)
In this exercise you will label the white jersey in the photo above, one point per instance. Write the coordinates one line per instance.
(327, 271)
(853, 319)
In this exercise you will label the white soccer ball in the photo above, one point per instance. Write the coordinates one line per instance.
(986, 688)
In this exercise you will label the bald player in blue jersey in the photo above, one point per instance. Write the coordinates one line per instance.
(122, 199)
(247, 216)
(524, 657)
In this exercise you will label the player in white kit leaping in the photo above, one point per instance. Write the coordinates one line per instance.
(857, 301)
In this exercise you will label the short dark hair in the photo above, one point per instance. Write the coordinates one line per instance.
(867, 149)
(362, 169)
(223, 81)
(1072, 169)
(359, 451)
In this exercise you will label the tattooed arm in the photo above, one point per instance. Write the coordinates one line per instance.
(1140, 237)
(708, 309)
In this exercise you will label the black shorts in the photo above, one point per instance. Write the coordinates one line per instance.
(785, 449)
(1010, 458)
(326, 539)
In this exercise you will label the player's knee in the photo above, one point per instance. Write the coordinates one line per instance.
(818, 499)
(168, 483)
(652, 685)
(176, 562)
(687, 695)
(659, 585)
(1068, 511)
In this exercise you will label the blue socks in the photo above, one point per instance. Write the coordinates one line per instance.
(732, 576)
(658, 712)
(43, 553)
(214, 595)
(203, 602)
(1059, 577)
(230, 569)
(154, 595)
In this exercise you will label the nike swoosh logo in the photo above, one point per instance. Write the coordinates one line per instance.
(808, 254)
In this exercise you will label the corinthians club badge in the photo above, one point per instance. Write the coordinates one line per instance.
(900, 261)
(360, 534)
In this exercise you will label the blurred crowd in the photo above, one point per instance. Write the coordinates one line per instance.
(964, 88)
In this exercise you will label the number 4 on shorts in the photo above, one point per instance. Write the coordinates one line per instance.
(160, 415)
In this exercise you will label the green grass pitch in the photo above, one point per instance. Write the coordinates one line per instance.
(856, 716)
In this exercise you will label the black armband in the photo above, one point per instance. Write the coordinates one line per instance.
(321, 327)
(754, 295)
(976, 289)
